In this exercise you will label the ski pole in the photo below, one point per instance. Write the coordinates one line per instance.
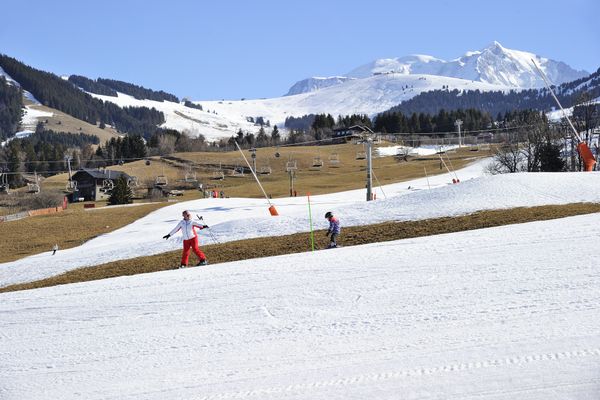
(209, 231)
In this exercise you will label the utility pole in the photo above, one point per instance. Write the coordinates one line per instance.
(369, 142)
(68, 160)
(253, 155)
(458, 123)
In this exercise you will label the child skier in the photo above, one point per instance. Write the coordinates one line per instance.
(334, 228)
(190, 239)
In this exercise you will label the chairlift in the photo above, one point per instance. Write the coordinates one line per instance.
(132, 181)
(334, 160)
(107, 185)
(33, 188)
(4, 186)
(161, 180)
(71, 186)
(265, 170)
(361, 155)
(317, 162)
(218, 175)
(291, 166)
(237, 171)
(190, 177)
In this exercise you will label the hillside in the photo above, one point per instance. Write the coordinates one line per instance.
(61, 122)
(494, 102)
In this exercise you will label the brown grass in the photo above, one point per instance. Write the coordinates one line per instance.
(68, 229)
(349, 175)
(300, 242)
(61, 122)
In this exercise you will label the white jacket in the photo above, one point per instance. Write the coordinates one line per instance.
(187, 228)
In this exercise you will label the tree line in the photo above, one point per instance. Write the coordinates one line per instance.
(11, 108)
(569, 94)
(54, 92)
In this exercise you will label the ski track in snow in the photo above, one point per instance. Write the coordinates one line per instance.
(499, 313)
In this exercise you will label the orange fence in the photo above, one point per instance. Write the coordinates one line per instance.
(32, 213)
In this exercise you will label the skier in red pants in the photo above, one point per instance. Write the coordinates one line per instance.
(190, 239)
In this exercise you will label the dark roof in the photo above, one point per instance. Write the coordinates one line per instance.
(355, 128)
(102, 174)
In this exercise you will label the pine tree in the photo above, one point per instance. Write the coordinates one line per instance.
(121, 193)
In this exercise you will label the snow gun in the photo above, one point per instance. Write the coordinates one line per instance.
(582, 148)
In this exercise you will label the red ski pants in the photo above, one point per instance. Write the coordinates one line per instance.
(191, 244)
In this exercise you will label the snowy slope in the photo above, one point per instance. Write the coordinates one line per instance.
(315, 83)
(502, 313)
(361, 96)
(186, 119)
(238, 218)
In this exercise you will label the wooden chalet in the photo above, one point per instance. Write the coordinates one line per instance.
(96, 184)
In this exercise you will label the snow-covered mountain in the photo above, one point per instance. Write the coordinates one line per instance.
(494, 64)
(368, 89)
(315, 83)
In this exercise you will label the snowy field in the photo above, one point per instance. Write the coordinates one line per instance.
(240, 218)
(503, 313)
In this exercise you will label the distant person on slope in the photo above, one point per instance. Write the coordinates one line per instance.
(334, 228)
(190, 239)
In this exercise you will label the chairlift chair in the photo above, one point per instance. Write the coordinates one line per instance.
(361, 155)
(237, 171)
(33, 188)
(218, 175)
(132, 181)
(161, 180)
(190, 177)
(107, 185)
(71, 186)
(317, 162)
(265, 170)
(291, 166)
(334, 160)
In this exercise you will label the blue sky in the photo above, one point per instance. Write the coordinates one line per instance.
(227, 49)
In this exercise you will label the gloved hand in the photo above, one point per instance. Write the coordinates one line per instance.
(327, 233)
(166, 236)
(204, 226)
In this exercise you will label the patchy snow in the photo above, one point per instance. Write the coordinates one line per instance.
(500, 313)
(425, 150)
(18, 135)
(31, 117)
(239, 218)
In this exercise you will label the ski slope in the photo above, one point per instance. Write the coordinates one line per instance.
(241, 218)
(501, 313)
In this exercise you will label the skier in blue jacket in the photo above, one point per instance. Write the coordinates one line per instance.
(334, 228)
